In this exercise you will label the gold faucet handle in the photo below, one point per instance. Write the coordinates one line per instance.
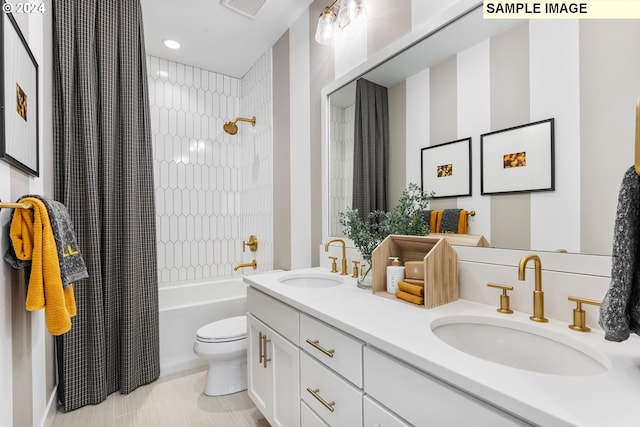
(579, 315)
(355, 269)
(334, 264)
(504, 298)
(252, 243)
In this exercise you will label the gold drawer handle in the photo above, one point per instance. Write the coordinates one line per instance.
(315, 344)
(314, 393)
(265, 359)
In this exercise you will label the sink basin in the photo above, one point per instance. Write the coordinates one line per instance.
(519, 345)
(311, 280)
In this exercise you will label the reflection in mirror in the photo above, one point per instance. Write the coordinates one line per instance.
(475, 76)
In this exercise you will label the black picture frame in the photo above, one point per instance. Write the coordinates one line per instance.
(446, 168)
(19, 99)
(518, 159)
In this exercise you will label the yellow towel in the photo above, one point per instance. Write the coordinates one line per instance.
(410, 298)
(434, 221)
(32, 239)
(411, 289)
(463, 222)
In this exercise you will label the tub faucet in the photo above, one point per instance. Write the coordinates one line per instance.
(253, 264)
(344, 254)
(538, 295)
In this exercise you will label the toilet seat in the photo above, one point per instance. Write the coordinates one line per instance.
(225, 330)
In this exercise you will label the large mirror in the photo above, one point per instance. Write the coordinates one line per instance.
(473, 76)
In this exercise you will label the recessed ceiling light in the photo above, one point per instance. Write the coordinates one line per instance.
(171, 44)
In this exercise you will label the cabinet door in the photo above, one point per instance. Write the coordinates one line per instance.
(377, 416)
(285, 370)
(259, 378)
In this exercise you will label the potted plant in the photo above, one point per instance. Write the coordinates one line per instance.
(406, 218)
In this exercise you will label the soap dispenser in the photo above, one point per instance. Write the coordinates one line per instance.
(395, 273)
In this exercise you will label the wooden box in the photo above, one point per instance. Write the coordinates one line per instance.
(463, 239)
(440, 263)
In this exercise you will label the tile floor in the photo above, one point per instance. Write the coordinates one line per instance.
(175, 400)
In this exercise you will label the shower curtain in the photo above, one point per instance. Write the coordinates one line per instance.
(371, 148)
(103, 174)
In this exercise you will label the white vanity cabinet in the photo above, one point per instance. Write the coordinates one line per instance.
(330, 373)
(424, 400)
(273, 363)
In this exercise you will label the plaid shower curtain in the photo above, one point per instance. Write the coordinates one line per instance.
(370, 148)
(104, 175)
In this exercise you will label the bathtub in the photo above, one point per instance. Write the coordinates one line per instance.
(185, 308)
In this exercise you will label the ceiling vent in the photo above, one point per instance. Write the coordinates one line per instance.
(248, 8)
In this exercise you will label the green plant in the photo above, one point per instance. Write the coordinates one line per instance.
(405, 218)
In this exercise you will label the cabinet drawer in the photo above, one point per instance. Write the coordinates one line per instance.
(342, 401)
(337, 350)
(279, 316)
(308, 418)
(377, 416)
(424, 400)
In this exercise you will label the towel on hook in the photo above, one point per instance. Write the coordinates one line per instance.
(432, 218)
(450, 219)
(32, 239)
(72, 266)
(620, 308)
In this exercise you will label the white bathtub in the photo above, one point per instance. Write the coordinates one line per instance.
(185, 308)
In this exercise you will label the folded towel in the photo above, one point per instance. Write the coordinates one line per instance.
(463, 222)
(410, 298)
(620, 308)
(418, 282)
(416, 290)
(450, 219)
(72, 266)
(32, 240)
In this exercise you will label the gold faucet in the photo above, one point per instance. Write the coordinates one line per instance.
(538, 295)
(253, 264)
(344, 254)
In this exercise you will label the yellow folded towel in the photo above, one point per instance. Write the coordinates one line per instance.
(32, 239)
(410, 298)
(463, 222)
(411, 289)
(434, 221)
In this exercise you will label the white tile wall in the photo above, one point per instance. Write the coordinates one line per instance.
(257, 162)
(197, 171)
(341, 163)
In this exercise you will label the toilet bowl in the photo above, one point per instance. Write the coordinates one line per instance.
(223, 344)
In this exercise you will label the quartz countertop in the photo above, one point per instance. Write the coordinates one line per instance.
(404, 331)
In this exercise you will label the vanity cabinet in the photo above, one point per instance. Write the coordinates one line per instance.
(424, 400)
(273, 363)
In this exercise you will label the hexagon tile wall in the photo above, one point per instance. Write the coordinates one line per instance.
(197, 171)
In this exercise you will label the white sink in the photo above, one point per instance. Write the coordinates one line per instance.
(311, 280)
(520, 345)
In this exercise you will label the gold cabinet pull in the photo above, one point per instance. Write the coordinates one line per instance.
(579, 315)
(264, 350)
(315, 344)
(314, 393)
(260, 348)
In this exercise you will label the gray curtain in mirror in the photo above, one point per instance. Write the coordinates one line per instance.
(104, 175)
(371, 148)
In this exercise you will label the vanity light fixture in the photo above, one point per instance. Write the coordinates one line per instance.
(171, 44)
(348, 11)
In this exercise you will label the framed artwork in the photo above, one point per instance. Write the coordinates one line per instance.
(446, 169)
(518, 159)
(19, 99)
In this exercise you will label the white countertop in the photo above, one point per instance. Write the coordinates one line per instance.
(404, 331)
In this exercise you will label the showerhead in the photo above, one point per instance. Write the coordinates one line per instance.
(231, 128)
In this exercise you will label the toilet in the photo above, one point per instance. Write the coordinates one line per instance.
(223, 344)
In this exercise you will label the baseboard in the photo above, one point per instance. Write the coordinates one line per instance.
(175, 368)
(52, 407)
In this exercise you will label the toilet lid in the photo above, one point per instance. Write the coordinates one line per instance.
(230, 329)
